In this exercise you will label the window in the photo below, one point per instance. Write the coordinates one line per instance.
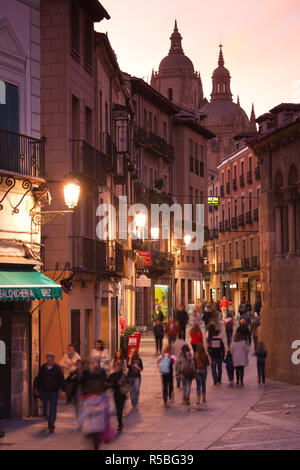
(106, 118)
(250, 203)
(155, 125)
(191, 164)
(100, 118)
(88, 125)
(237, 249)
(196, 166)
(234, 172)
(242, 168)
(150, 121)
(75, 118)
(250, 164)
(235, 208)
(145, 120)
(251, 247)
(243, 205)
(244, 249)
(88, 44)
(9, 107)
(230, 252)
(170, 94)
(165, 131)
(75, 33)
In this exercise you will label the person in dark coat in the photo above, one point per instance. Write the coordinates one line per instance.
(158, 331)
(244, 331)
(229, 366)
(257, 306)
(216, 350)
(182, 319)
(117, 381)
(261, 355)
(49, 381)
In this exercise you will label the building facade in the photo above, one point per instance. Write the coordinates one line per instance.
(277, 149)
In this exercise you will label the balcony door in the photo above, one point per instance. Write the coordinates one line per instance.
(9, 107)
(5, 366)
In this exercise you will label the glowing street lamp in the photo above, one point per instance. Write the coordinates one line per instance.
(155, 233)
(71, 193)
(187, 239)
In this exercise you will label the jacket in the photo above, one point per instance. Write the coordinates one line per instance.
(239, 351)
(229, 362)
(68, 363)
(182, 318)
(158, 331)
(201, 360)
(261, 355)
(171, 332)
(216, 348)
(196, 338)
(185, 362)
(51, 380)
(134, 371)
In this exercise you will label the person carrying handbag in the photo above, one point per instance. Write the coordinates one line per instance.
(185, 368)
(135, 366)
(117, 381)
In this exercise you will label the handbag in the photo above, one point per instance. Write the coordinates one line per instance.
(189, 373)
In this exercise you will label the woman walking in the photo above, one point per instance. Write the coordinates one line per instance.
(239, 351)
(117, 381)
(185, 369)
(201, 362)
(135, 366)
(165, 365)
(196, 336)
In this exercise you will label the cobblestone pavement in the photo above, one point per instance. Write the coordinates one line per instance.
(249, 417)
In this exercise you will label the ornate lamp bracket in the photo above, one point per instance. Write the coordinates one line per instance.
(10, 183)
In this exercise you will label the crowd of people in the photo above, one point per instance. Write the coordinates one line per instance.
(91, 385)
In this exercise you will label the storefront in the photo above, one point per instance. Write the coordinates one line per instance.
(22, 289)
(162, 298)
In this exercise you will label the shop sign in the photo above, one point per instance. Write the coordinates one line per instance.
(143, 281)
(146, 256)
(233, 286)
(213, 201)
(237, 263)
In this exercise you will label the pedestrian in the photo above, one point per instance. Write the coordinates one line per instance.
(196, 317)
(93, 410)
(135, 366)
(224, 306)
(216, 352)
(68, 365)
(239, 350)
(122, 323)
(242, 308)
(248, 307)
(171, 330)
(229, 329)
(176, 350)
(185, 368)
(211, 331)
(244, 331)
(229, 366)
(101, 355)
(73, 382)
(158, 331)
(119, 362)
(157, 315)
(118, 382)
(261, 355)
(257, 306)
(254, 330)
(201, 363)
(165, 365)
(49, 381)
(207, 317)
(182, 319)
(196, 336)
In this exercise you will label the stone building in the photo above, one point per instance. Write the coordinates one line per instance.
(277, 148)
(22, 184)
(232, 267)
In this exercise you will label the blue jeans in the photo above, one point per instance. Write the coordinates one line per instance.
(186, 386)
(216, 369)
(52, 397)
(135, 384)
(201, 375)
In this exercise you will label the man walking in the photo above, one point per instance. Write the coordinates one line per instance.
(50, 380)
(224, 307)
(171, 330)
(216, 351)
(182, 319)
(158, 331)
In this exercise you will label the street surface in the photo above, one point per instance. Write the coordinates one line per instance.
(249, 417)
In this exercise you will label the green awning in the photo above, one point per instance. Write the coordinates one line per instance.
(17, 285)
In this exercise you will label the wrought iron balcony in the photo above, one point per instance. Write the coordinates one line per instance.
(255, 215)
(257, 173)
(245, 263)
(88, 161)
(249, 219)
(241, 220)
(233, 222)
(102, 257)
(153, 142)
(22, 154)
(221, 227)
(249, 177)
(242, 181)
(254, 262)
(222, 190)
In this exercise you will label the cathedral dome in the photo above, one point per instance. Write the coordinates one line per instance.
(176, 61)
(224, 111)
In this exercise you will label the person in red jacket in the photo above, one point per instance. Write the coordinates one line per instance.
(196, 336)
(224, 307)
(171, 330)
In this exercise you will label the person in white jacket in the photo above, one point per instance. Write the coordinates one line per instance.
(68, 362)
(239, 350)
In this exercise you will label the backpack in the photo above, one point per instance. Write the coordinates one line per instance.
(165, 365)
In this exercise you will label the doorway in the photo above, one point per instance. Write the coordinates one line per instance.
(5, 366)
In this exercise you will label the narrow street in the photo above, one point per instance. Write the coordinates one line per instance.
(252, 417)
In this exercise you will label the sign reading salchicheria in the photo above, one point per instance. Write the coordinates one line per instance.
(27, 285)
(25, 294)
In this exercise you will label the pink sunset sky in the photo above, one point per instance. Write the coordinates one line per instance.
(260, 38)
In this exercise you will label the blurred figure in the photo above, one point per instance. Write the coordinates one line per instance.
(239, 350)
(224, 306)
(158, 331)
(73, 382)
(171, 330)
(229, 366)
(229, 329)
(216, 351)
(165, 365)
(135, 366)
(196, 319)
(196, 336)
(122, 323)
(257, 306)
(176, 350)
(255, 324)
(119, 362)
(185, 368)
(50, 379)
(261, 355)
(182, 319)
(117, 381)
(100, 355)
(201, 362)
(157, 315)
(244, 331)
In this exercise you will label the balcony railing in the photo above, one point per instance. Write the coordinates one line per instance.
(99, 256)
(221, 226)
(110, 150)
(227, 225)
(22, 154)
(249, 219)
(88, 161)
(249, 177)
(241, 220)
(233, 222)
(242, 181)
(254, 262)
(255, 215)
(227, 187)
(234, 184)
(257, 173)
(222, 190)
(245, 263)
(155, 143)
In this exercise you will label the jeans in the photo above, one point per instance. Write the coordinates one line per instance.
(52, 397)
(229, 337)
(135, 384)
(158, 342)
(186, 386)
(261, 373)
(230, 373)
(201, 375)
(181, 333)
(119, 402)
(167, 383)
(239, 370)
(216, 369)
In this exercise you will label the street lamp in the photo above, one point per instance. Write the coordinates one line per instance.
(71, 196)
(155, 233)
(187, 239)
(140, 222)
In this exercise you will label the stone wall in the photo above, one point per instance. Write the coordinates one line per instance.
(19, 366)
